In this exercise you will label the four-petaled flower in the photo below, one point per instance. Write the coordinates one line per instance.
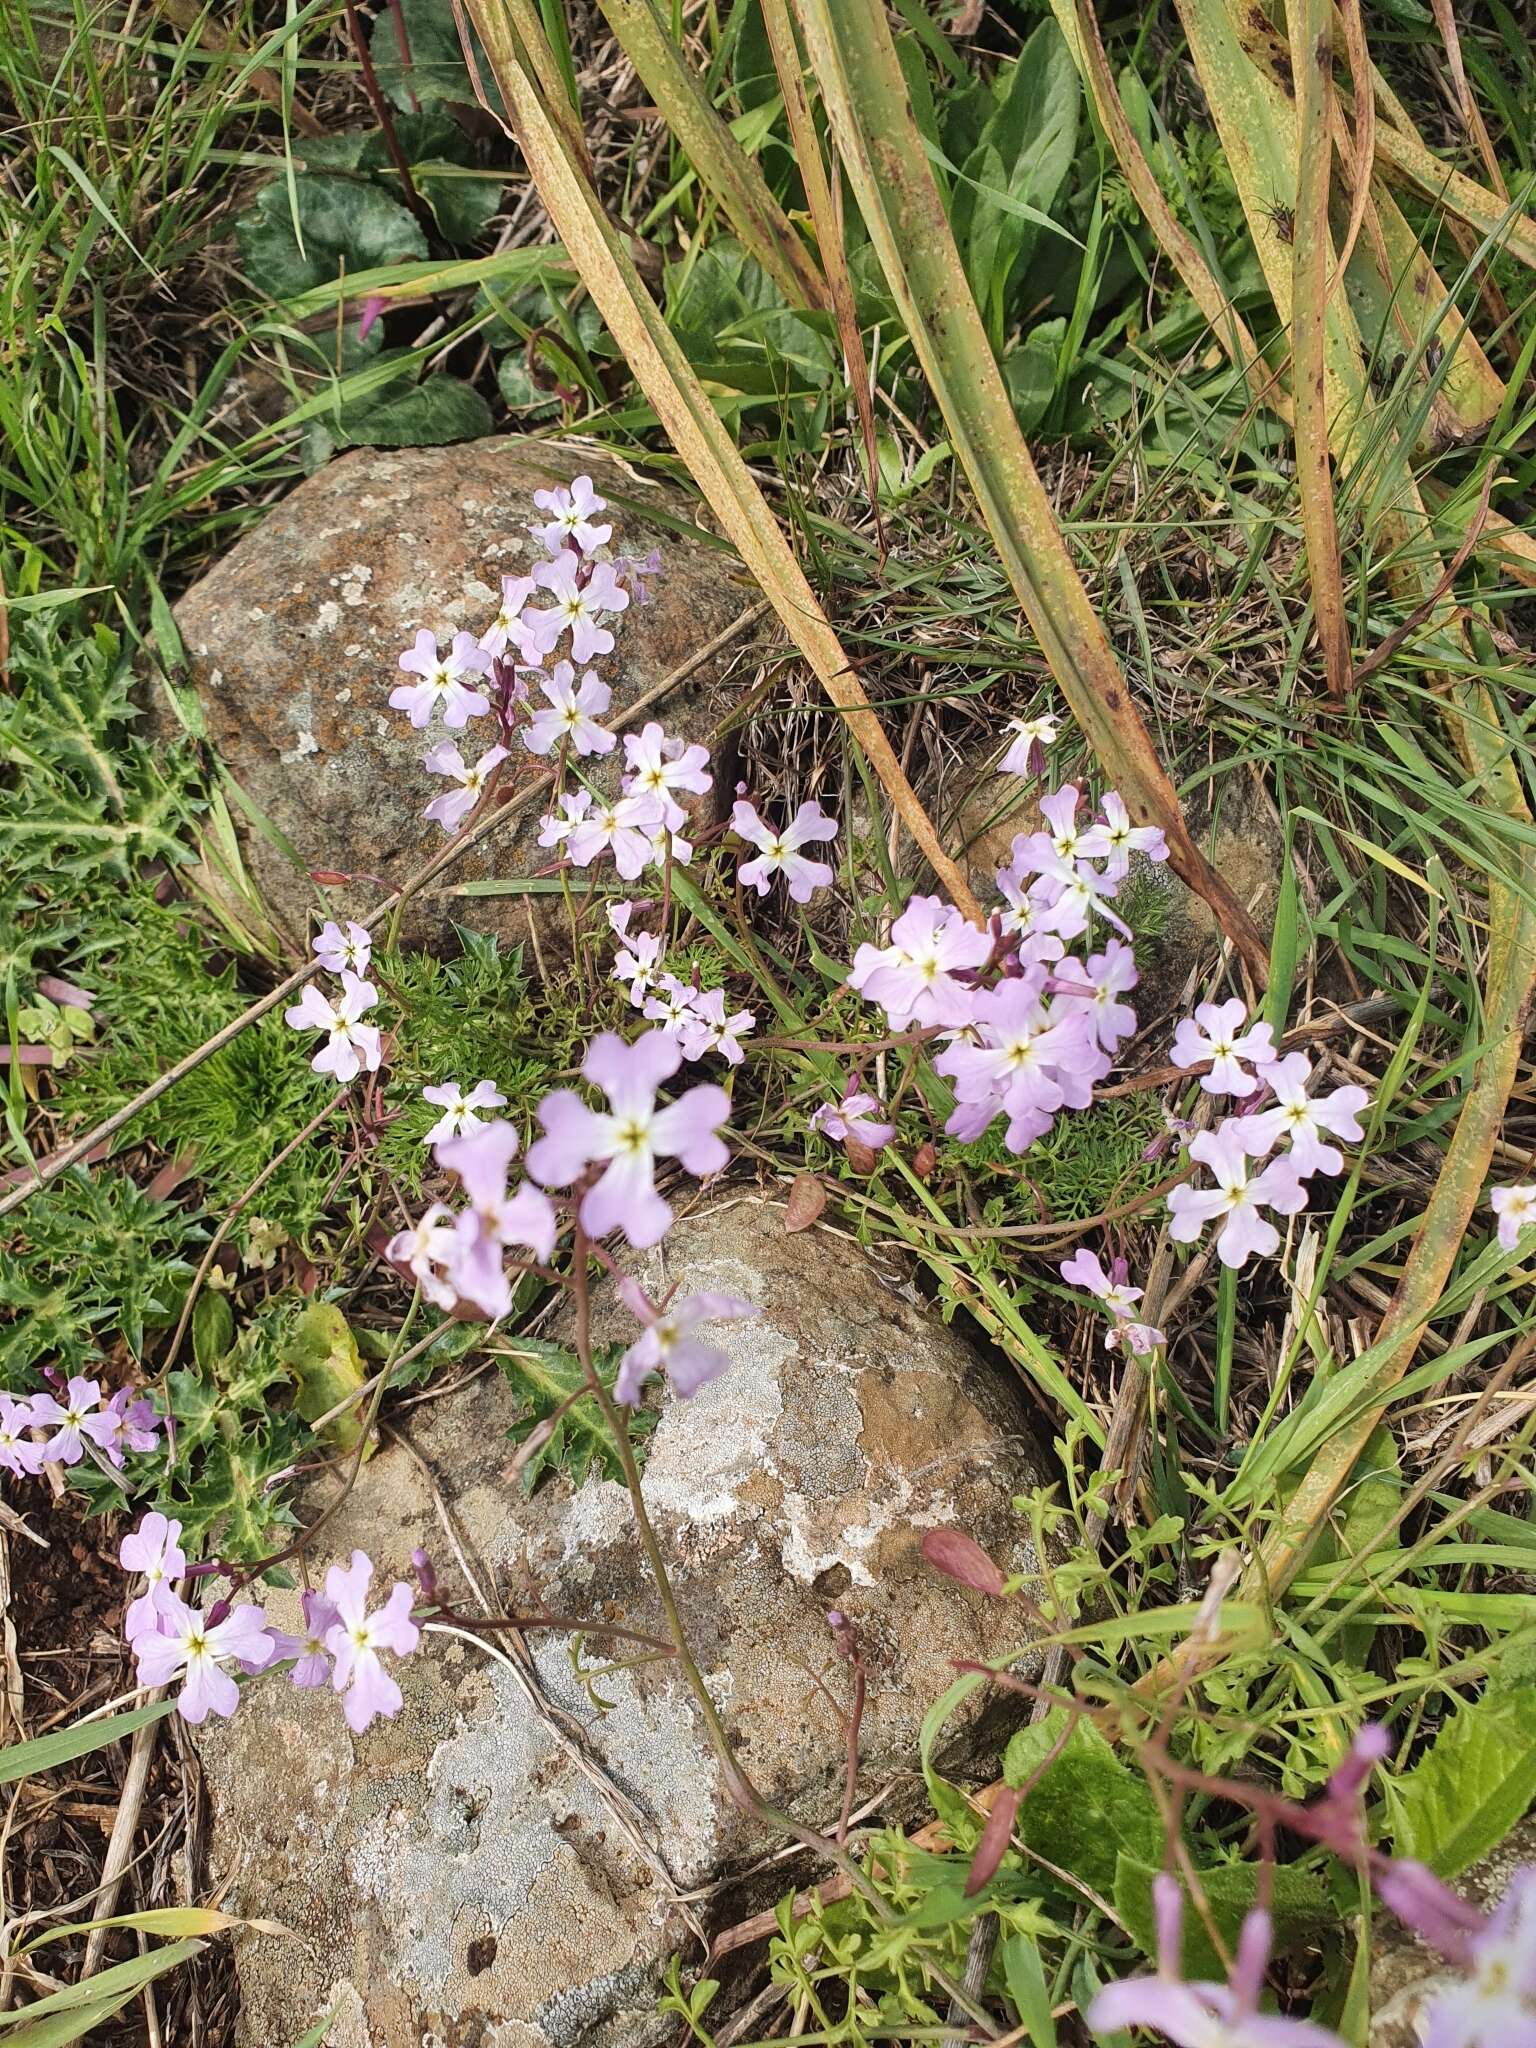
(312, 1660)
(427, 1249)
(572, 714)
(851, 1118)
(626, 826)
(342, 950)
(780, 850)
(134, 1425)
(350, 1045)
(78, 1416)
(154, 1550)
(18, 1453)
(1236, 1199)
(638, 962)
(507, 628)
(708, 1029)
(915, 979)
(1516, 1211)
(1026, 751)
(356, 1637)
(1216, 1033)
(571, 516)
(442, 686)
(459, 1109)
(1304, 1118)
(184, 1640)
(1084, 1270)
(1113, 838)
(668, 1344)
(556, 827)
(657, 766)
(454, 805)
(627, 1139)
(494, 1219)
(1110, 975)
(581, 597)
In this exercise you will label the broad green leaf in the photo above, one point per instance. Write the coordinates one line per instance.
(1029, 371)
(1298, 1903)
(48, 1752)
(1477, 1779)
(442, 160)
(436, 75)
(1089, 1808)
(213, 1330)
(544, 1375)
(428, 415)
(321, 1353)
(348, 226)
(1025, 1978)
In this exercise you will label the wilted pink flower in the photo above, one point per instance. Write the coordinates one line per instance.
(1235, 1198)
(459, 1109)
(153, 1550)
(915, 979)
(626, 826)
(350, 1045)
(80, 1415)
(1516, 1211)
(668, 1344)
(134, 1425)
(572, 516)
(184, 1640)
(1084, 1270)
(572, 714)
(630, 1136)
(1303, 1119)
(638, 573)
(1026, 751)
(18, 1453)
(1216, 1033)
(658, 766)
(577, 604)
(1140, 1339)
(780, 850)
(370, 311)
(442, 687)
(494, 1219)
(312, 1665)
(343, 950)
(556, 827)
(1113, 838)
(708, 1029)
(507, 628)
(851, 1118)
(356, 1637)
(454, 805)
(427, 1250)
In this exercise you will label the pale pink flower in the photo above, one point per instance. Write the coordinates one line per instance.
(184, 1641)
(658, 766)
(134, 1425)
(507, 628)
(1236, 1200)
(916, 978)
(428, 1249)
(1216, 1033)
(626, 826)
(1142, 1339)
(1061, 842)
(780, 853)
(578, 605)
(442, 687)
(1077, 893)
(572, 714)
(1084, 1270)
(1026, 751)
(629, 1137)
(1113, 838)
(1303, 1118)
(670, 1004)
(494, 1219)
(708, 1029)
(572, 516)
(350, 1045)
(556, 827)
(1022, 1057)
(1108, 975)
(459, 1109)
(154, 1551)
(1495, 2005)
(1031, 916)
(78, 1416)
(851, 1118)
(668, 1344)
(638, 963)
(18, 1453)
(312, 1660)
(356, 1638)
(341, 951)
(454, 805)
(1516, 1211)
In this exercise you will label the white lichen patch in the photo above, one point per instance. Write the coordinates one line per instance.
(304, 744)
(355, 583)
(328, 617)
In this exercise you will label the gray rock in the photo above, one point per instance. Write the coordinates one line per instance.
(293, 639)
(506, 1864)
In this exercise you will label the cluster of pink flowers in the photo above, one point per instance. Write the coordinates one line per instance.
(1112, 1290)
(1277, 1110)
(350, 1045)
(695, 1017)
(42, 1429)
(203, 1647)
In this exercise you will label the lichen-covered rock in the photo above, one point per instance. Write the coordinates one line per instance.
(293, 639)
(503, 1863)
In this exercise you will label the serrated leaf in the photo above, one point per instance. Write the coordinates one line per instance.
(347, 224)
(543, 1375)
(1477, 1779)
(429, 415)
(321, 1353)
(1299, 1906)
(1088, 1808)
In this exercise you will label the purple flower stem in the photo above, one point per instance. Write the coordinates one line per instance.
(385, 119)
